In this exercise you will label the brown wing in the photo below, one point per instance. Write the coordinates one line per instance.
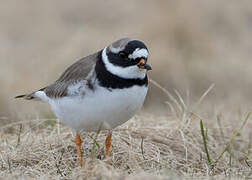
(76, 72)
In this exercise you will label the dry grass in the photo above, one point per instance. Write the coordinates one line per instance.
(147, 147)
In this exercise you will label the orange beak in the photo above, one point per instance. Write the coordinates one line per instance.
(142, 65)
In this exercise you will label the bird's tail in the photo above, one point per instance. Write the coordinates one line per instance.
(30, 96)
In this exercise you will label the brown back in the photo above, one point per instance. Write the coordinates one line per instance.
(73, 74)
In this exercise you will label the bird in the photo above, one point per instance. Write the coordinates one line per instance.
(100, 91)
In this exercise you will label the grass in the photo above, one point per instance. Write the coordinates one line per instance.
(181, 145)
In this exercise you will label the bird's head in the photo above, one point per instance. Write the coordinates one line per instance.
(127, 58)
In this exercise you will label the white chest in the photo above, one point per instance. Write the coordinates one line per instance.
(99, 109)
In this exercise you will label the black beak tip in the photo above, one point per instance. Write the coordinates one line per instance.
(147, 67)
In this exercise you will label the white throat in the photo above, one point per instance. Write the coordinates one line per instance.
(130, 72)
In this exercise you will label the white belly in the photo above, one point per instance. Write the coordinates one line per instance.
(99, 109)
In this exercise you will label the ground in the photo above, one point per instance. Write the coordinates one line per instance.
(146, 147)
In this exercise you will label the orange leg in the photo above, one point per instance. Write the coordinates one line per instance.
(108, 144)
(78, 146)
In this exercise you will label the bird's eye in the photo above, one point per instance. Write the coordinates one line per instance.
(123, 55)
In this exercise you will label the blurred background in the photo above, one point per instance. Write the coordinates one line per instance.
(192, 45)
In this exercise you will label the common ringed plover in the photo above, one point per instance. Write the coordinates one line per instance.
(100, 91)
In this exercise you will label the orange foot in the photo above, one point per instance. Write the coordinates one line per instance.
(78, 146)
(108, 144)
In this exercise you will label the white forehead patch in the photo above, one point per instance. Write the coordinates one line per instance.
(130, 72)
(138, 53)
